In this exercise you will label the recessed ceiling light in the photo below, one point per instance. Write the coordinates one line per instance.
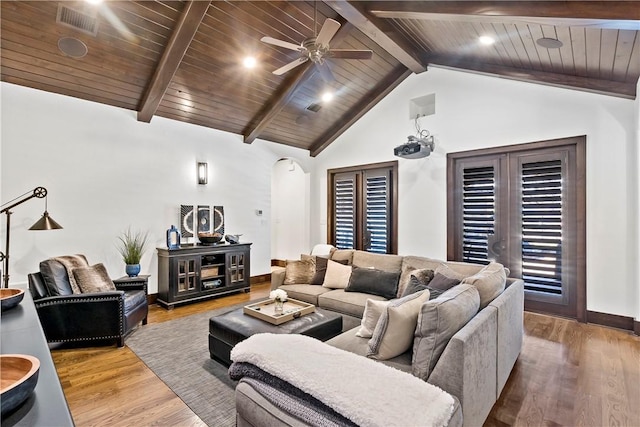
(94, 1)
(549, 43)
(249, 62)
(486, 40)
(327, 97)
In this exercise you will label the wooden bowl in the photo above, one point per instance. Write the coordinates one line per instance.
(18, 378)
(210, 238)
(9, 298)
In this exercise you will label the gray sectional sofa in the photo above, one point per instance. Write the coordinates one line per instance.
(477, 355)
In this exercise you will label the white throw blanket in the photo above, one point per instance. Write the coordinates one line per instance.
(367, 392)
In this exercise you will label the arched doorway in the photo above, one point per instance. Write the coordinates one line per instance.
(290, 200)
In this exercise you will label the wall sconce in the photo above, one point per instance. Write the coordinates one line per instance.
(203, 176)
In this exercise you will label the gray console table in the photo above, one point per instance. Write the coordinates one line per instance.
(21, 333)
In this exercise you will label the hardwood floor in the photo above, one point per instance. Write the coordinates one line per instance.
(568, 373)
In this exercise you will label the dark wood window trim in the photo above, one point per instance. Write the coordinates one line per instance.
(580, 193)
(393, 167)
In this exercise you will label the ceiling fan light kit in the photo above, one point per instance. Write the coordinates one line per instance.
(316, 49)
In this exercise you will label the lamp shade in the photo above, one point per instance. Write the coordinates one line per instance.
(45, 223)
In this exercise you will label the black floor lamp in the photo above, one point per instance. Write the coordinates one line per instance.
(44, 223)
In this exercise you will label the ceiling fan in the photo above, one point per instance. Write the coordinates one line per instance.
(317, 50)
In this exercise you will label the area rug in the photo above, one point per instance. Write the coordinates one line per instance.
(177, 351)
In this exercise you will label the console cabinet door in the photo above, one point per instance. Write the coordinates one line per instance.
(237, 267)
(187, 274)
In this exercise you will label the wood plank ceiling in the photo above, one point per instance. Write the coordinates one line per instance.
(183, 60)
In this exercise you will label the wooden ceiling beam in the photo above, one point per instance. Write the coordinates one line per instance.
(375, 95)
(286, 91)
(585, 84)
(607, 10)
(177, 46)
(376, 30)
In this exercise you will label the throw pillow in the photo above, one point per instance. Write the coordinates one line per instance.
(321, 270)
(372, 311)
(373, 281)
(490, 282)
(438, 321)
(442, 282)
(337, 276)
(417, 285)
(446, 271)
(93, 279)
(342, 255)
(395, 328)
(299, 271)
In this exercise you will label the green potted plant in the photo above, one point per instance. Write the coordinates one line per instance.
(131, 246)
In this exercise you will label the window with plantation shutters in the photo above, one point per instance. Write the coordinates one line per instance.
(524, 206)
(363, 207)
(345, 211)
(541, 201)
(478, 210)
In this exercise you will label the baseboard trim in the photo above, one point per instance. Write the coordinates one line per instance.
(152, 299)
(613, 320)
(260, 278)
(278, 263)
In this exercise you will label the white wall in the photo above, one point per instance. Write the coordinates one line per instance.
(290, 198)
(474, 111)
(105, 171)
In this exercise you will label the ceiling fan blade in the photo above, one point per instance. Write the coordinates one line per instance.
(328, 30)
(325, 72)
(290, 66)
(350, 54)
(280, 43)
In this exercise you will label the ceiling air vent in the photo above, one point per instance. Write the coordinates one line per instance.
(79, 20)
(314, 107)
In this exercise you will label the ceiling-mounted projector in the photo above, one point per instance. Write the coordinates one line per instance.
(415, 148)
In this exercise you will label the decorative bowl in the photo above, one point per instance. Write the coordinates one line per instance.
(19, 378)
(9, 298)
(210, 238)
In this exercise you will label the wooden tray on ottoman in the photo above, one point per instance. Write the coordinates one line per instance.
(292, 309)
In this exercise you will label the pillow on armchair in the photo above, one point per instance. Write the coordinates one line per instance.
(93, 279)
(56, 277)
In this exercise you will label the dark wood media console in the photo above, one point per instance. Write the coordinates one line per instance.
(195, 272)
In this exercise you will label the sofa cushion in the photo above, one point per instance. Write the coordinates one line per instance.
(306, 293)
(373, 281)
(420, 280)
(56, 277)
(442, 282)
(351, 303)
(394, 332)
(372, 312)
(438, 321)
(337, 275)
(321, 269)
(384, 262)
(343, 255)
(411, 263)
(489, 281)
(299, 271)
(349, 341)
(93, 279)
(133, 300)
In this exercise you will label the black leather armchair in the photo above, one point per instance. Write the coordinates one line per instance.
(68, 317)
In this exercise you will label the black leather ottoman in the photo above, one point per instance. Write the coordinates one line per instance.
(229, 329)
